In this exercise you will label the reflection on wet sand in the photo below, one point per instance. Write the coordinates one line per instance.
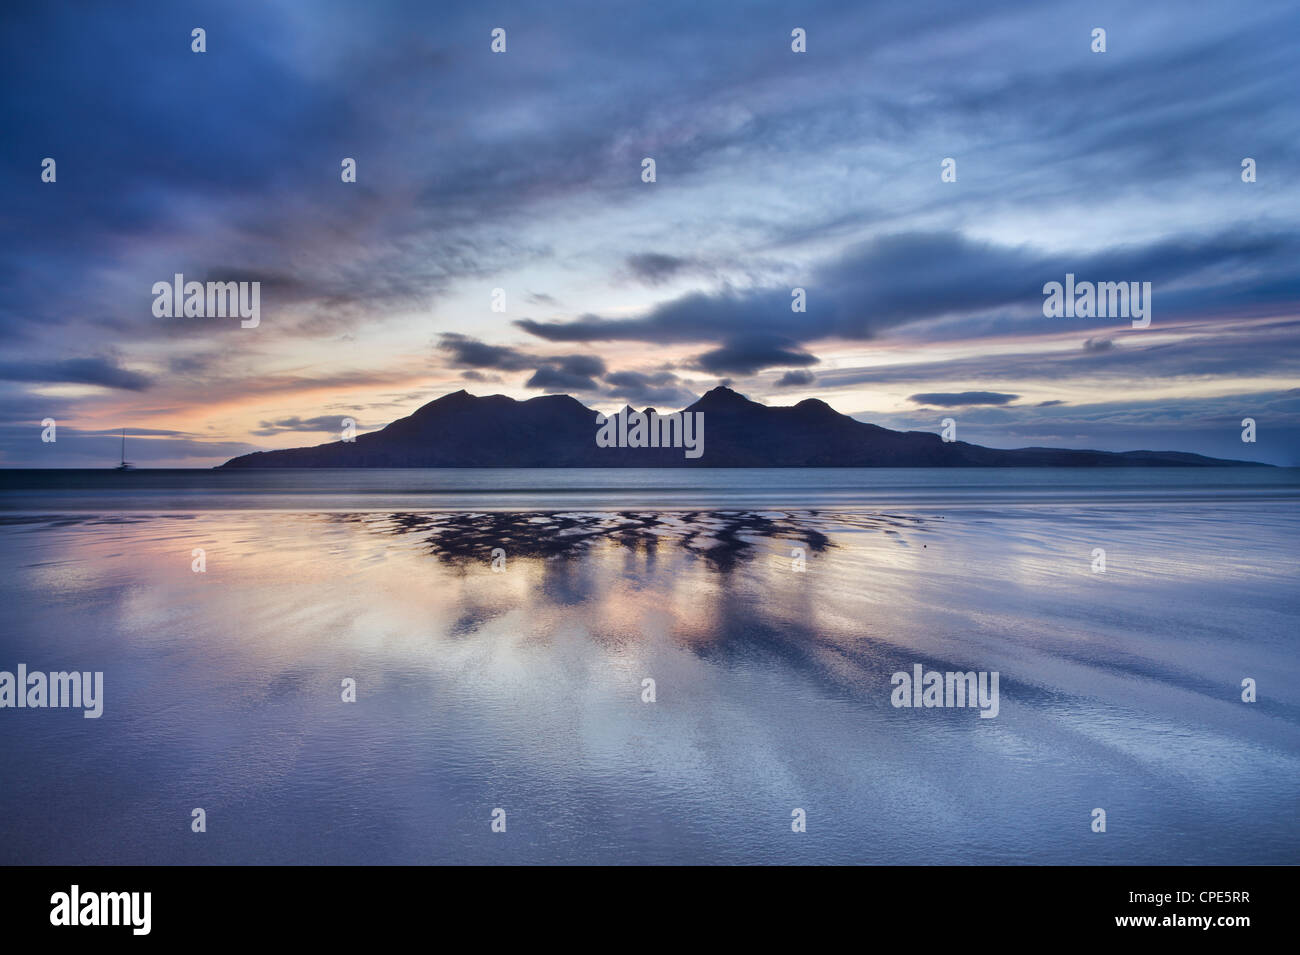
(722, 538)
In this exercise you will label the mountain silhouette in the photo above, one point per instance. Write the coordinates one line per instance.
(558, 431)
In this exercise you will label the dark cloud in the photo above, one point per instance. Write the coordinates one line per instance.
(636, 388)
(1098, 344)
(746, 354)
(792, 379)
(470, 352)
(553, 379)
(962, 398)
(567, 373)
(907, 277)
(105, 372)
(552, 373)
(583, 365)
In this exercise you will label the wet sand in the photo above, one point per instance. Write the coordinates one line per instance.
(521, 688)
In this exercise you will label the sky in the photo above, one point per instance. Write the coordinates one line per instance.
(522, 171)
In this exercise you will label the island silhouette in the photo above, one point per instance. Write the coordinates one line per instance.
(558, 431)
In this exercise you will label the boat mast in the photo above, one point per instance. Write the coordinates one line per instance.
(124, 445)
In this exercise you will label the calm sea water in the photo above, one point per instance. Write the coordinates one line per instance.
(555, 488)
(522, 689)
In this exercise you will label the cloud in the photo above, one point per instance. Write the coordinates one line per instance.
(320, 424)
(104, 372)
(553, 379)
(551, 373)
(1098, 344)
(962, 398)
(793, 379)
(896, 279)
(637, 388)
(587, 365)
(470, 352)
(567, 373)
(655, 268)
(1225, 348)
(746, 354)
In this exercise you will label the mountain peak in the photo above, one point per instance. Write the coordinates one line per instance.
(817, 406)
(723, 390)
(723, 397)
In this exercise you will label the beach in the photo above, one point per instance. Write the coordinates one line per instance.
(516, 680)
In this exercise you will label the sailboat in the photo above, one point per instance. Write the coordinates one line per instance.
(125, 465)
